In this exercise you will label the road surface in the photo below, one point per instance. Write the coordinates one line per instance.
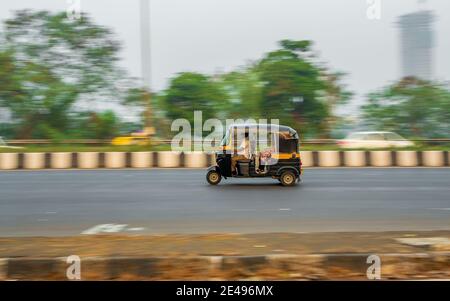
(59, 203)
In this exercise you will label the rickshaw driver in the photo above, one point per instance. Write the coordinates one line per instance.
(243, 153)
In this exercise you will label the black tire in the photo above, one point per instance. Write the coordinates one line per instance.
(288, 178)
(213, 177)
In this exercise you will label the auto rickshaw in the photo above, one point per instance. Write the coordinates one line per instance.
(258, 151)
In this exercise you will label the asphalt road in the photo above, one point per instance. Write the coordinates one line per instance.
(54, 203)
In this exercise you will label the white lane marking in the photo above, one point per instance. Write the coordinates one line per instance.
(50, 212)
(255, 210)
(444, 209)
(104, 228)
(42, 220)
(136, 229)
(424, 241)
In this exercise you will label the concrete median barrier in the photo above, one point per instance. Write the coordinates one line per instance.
(407, 159)
(61, 160)
(88, 160)
(307, 158)
(381, 158)
(258, 256)
(34, 161)
(115, 160)
(39, 268)
(169, 159)
(433, 158)
(94, 268)
(329, 159)
(9, 161)
(211, 159)
(260, 267)
(141, 159)
(195, 160)
(3, 269)
(355, 159)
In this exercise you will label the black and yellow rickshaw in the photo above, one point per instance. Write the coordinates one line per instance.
(258, 151)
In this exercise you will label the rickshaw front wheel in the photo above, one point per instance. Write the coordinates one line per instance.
(213, 177)
(288, 178)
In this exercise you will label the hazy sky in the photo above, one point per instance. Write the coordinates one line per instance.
(212, 35)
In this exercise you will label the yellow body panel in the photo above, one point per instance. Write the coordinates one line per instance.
(129, 140)
(285, 156)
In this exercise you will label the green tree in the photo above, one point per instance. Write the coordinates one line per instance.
(298, 91)
(411, 107)
(47, 63)
(244, 94)
(189, 92)
(104, 125)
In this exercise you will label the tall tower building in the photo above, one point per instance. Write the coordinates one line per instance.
(417, 43)
(145, 43)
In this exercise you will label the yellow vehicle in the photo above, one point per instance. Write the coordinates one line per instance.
(139, 138)
(130, 140)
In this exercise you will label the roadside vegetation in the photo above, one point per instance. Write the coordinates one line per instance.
(60, 79)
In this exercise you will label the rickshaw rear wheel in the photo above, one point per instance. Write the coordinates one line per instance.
(288, 178)
(213, 177)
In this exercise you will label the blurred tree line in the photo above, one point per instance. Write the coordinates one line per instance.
(49, 64)
(411, 107)
(286, 84)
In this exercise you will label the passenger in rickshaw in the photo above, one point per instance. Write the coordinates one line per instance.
(243, 153)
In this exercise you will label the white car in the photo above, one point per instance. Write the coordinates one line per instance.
(3, 145)
(374, 140)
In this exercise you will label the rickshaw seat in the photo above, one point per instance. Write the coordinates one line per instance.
(244, 161)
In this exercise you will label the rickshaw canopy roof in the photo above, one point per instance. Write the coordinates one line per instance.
(273, 128)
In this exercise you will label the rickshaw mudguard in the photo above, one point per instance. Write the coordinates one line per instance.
(285, 168)
(216, 168)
